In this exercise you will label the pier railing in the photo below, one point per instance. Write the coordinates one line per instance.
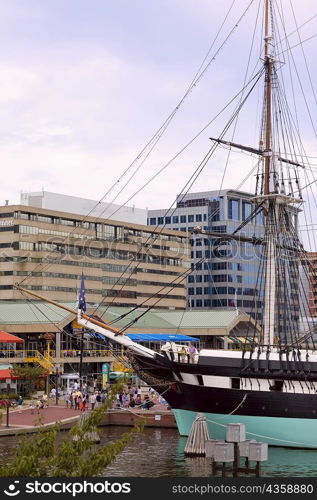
(33, 355)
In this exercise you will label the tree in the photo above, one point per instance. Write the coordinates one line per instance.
(7, 401)
(30, 374)
(47, 455)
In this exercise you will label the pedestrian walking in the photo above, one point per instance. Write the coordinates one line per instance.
(32, 405)
(77, 402)
(20, 404)
(72, 401)
(67, 400)
(93, 401)
(98, 399)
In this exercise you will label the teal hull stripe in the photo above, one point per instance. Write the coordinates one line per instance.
(288, 432)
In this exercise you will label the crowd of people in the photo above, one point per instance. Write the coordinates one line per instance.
(132, 397)
(76, 399)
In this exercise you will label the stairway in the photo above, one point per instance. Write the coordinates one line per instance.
(44, 361)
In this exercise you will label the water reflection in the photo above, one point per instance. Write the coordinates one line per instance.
(160, 452)
(166, 448)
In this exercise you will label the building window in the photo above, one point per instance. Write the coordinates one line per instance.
(175, 219)
(233, 209)
(199, 290)
(198, 218)
(199, 254)
(153, 221)
(219, 303)
(219, 290)
(190, 218)
(207, 303)
(183, 218)
(218, 278)
(160, 220)
(199, 303)
(246, 209)
(167, 220)
(191, 279)
(199, 278)
(191, 291)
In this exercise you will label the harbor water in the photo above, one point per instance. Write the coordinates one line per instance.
(160, 452)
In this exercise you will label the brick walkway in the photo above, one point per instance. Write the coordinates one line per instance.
(48, 415)
(26, 421)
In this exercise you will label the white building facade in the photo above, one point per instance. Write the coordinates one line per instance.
(83, 206)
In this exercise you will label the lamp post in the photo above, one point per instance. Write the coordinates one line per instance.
(81, 361)
(56, 382)
(7, 404)
(48, 337)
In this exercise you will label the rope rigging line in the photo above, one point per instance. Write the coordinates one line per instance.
(33, 303)
(200, 167)
(255, 77)
(181, 277)
(156, 137)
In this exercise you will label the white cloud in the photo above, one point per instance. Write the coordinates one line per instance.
(15, 83)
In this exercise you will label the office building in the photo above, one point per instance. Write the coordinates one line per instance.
(223, 275)
(124, 263)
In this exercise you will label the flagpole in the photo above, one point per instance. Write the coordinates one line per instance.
(81, 361)
(82, 307)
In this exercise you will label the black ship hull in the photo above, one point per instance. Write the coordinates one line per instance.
(279, 409)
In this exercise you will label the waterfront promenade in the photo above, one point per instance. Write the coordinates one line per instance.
(28, 422)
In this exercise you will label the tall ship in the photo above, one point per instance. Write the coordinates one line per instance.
(270, 383)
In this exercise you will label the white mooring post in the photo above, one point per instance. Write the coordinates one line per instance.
(196, 442)
(234, 448)
(91, 435)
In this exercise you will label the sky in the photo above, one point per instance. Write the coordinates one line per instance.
(84, 85)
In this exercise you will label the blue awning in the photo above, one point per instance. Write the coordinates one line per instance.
(160, 337)
(150, 337)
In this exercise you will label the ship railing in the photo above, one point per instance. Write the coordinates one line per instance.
(180, 357)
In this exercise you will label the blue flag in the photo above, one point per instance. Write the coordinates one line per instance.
(82, 298)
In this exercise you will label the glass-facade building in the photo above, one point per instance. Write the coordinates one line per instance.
(224, 272)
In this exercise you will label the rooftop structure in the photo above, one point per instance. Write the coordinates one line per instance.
(83, 206)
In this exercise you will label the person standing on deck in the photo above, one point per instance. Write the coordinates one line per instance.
(192, 351)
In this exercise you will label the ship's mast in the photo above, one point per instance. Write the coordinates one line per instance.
(270, 271)
(271, 207)
(268, 98)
